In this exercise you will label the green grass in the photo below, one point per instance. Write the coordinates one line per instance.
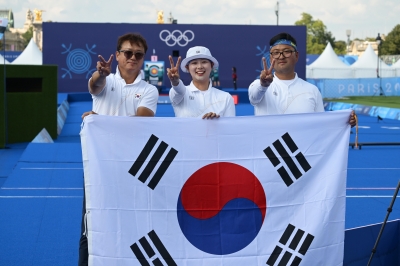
(383, 101)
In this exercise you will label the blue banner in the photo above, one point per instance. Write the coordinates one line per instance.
(336, 88)
(75, 47)
(10, 55)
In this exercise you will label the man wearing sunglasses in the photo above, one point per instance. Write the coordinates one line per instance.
(121, 94)
(283, 92)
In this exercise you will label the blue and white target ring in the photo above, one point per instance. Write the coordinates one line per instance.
(79, 61)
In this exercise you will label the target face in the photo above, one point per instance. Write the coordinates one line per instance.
(79, 61)
(153, 71)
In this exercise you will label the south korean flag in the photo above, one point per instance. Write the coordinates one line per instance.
(267, 190)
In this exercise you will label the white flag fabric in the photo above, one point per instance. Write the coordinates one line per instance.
(265, 190)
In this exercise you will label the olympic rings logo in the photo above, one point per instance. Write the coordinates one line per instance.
(176, 37)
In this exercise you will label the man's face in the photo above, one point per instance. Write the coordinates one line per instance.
(199, 69)
(130, 64)
(285, 63)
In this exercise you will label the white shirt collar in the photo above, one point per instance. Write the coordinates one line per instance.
(137, 80)
(293, 80)
(192, 87)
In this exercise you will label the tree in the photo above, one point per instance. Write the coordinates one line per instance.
(391, 45)
(27, 36)
(340, 47)
(317, 34)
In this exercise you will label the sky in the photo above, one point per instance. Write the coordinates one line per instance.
(364, 18)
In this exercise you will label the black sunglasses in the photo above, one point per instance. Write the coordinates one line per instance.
(128, 54)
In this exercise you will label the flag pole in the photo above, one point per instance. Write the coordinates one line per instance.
(389, 210)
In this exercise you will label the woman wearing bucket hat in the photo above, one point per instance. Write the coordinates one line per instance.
(199, 98)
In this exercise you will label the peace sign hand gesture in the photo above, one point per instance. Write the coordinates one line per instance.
(266, 76)
(173, 72)
(103, 66)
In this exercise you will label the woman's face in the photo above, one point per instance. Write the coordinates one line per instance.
(200, 69)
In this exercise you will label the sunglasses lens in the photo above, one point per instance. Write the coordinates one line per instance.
(139, 56)
(128, 54)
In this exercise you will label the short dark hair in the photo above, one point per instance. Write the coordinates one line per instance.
(133, 38)
(282, 36)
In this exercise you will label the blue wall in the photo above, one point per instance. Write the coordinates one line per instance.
(74, 47)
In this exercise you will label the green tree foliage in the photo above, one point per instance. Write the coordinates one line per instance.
(391, 45)
(340, 47)
(27, 36)
(317, 34)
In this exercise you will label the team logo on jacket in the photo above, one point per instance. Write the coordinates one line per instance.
(137, 95)
(221, 208)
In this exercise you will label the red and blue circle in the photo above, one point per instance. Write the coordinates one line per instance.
(221, 208)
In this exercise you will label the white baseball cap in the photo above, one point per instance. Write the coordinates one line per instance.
(196, 53)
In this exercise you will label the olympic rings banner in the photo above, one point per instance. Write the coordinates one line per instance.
(177, 37)
(228, 191)
(75, 51)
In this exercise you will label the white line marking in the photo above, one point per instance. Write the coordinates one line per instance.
(58, 188)
(364, 127)
(48, 168)
(371, 196)
(30, 197)
(396, 220)
(391, 127)
(371, 188)
(373, 168)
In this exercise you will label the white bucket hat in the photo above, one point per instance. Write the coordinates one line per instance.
(196, 53)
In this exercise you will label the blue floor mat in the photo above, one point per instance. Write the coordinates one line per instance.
(52, 152)
(45, 175)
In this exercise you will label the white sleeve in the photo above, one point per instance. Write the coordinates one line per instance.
(256, 92)
(319, 105)
(230, 108)
(107, 82)
(176, 93)
(150, 98)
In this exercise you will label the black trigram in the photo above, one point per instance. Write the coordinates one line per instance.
(153, 161)
(147, 247)
(287, 159)
(298, 240)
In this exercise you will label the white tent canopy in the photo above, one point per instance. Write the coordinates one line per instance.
(396, 68)
(367, 64)
(30, 56)
(397, 64)
(2, 60)
(328, 65)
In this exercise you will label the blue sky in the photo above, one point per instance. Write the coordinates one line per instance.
(364, 18)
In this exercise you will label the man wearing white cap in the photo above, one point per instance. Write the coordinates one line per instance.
(199, 98)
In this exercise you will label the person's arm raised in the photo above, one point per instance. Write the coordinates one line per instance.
(173, 72)
(266, 76)
(98, 80)
(258, 88)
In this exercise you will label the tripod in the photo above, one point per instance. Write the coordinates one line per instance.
(389, 210)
